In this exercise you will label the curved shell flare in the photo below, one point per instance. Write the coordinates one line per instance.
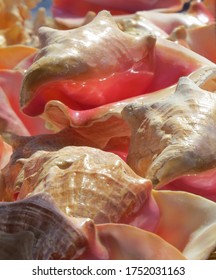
(174, 136)
(55, 235)
(84, 182)
(84, 72)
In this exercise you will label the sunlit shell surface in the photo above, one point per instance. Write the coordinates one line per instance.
(85, 72)
(196, 39)
(114, 194)
(107, 130)
(192, 232)
(85, 182)
(136, 244)
(175, 136)
(85, 64)
(74, 97)
(103, 126)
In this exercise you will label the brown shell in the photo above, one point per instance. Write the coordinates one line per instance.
(56, 236)
(84, 182)
(212, 256)
(16, 246)
(174, 136)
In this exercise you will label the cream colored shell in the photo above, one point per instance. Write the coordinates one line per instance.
(84, 182)
(174, 136)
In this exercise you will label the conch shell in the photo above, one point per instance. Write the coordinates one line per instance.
(86, 63)
(196, 16)
(12, 119)
(192, 232)
(69, 99)
(64, 9)
(137, 244)
(16, 246)
(196, 39)
(103, 126)
(85, 183)
(175, 136)
(5, 153)
(55, 235)
(9, 121)
(13, 14)
(81, 78)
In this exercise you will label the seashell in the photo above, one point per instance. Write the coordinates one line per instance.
(197, 39)
(137, 244)
(52, 180)
(41, 19)
(174, 137)
(13, 55)
(192, 232)
(196, 16)
(55, 235)
(16, 246)
(211, 6)
(63, 111)
(137, 25)
(86, 74)
(132, 6)
(9, 121)
(13, 15)
(5, 153)
(64, 9)
(70, 23)
(10, 83)
(212, 256)
(161, 22)
(25, 146)
(86, 66)
(104, 126)
(14, 34)
(19, 9)
(85, 183)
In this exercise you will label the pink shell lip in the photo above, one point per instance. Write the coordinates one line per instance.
(84, 75)
(37, 105)
(83, 79)
(202, 184)
(190, 232)
(76, 94)
(63, 9)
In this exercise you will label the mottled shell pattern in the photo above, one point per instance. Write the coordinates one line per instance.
(39, 215)
(84, 182)
(174, 136)
(16, 246)
(108, 84)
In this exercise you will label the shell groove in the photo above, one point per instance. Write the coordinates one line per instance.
(85, 182)
(55, 235)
